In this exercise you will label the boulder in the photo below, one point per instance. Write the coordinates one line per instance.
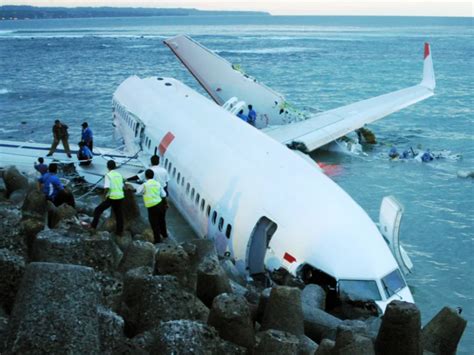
(172, 259)
(230, 315)
(10, 232)
(350, 343)
(355, 326)
(283, 310)
(111, 331)
(30, 227)
(306, 346)
(202, 247)
(400, 331)
(61, 214)
(12, 267)
(442, 333)
(152, 299)
(262, 303)
(14, 180)
(319, 324)
(211, 280)
(277, 342)
(191, 337)
(60, 246)
(325, 347)
(138, 253)
(34, 205)
(55, 311)
(122, 241)
(110, 290)
(313, 296)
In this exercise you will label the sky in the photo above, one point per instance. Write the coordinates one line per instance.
(288, 7)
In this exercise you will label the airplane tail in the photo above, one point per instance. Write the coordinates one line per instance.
(428, 80)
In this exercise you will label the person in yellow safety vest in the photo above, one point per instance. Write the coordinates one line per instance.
(114, 195)
(155, 206)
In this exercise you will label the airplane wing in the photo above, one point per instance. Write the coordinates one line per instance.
(224, 81)
(23, 155)
(276, 117)
(330, 125)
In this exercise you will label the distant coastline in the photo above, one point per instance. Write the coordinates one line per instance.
(12, 12)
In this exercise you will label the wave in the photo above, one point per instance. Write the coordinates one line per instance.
(4, 91)
(269, 50)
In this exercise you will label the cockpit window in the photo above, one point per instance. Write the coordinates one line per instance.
(393, 282)
(359, 290)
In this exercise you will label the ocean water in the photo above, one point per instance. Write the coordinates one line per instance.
(68, 70)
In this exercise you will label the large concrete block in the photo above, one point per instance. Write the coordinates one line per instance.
(138, 253)
(211, 280)
(14, 180)
(12, 267)
(55, 311)
(277, 342)
(172, 259)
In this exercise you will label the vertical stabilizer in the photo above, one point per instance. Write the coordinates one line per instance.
(428, 81)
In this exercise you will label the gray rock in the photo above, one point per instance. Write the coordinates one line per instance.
(60, 246)
(62, 214)
(12, 268)
(277, 342)
(372, 326)
(355, 326)
(122, 241)
(307, 346)
(110, 290)
(325, 347)
(173, 260)
(3, 330)
(283, 310)
(152, 299)
(204, 248)
(211, 280)
(230, 315)
(442, 333)
(139, 253)
(111, 331)
(350, 343)
(313, 296)
(34, 205)
(400, 331)
(14, 181)
(319, 324)
(191, 337)
(10, 232)
(262, 303)
(55, 311)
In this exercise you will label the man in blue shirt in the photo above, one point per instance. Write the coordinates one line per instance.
(252, 116)
(242, 116)
(41, 167)
(86, 136)
(84, 155)
(50, 184)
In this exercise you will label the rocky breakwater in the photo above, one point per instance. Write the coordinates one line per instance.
(67, 290)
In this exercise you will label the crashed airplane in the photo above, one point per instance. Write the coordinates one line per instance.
(271, 207)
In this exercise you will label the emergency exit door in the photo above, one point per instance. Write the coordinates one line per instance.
(258, 244)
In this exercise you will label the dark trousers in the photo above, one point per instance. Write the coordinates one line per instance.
(156, 217)
(116, 208)
(56, 142)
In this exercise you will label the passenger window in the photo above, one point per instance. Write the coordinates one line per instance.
(228, 231)
(188, 187)
(208, 212)
(178, 178)
(197, 199)
(221, 224)
(166, 163)
(214, 217)
(169, 167)
(192, 193)
(182, 181)
(174, 172)
(203, 203)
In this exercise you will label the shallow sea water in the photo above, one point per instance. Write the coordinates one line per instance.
(69, 69)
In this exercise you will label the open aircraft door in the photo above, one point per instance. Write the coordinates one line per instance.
(391, 212)
(258, 244)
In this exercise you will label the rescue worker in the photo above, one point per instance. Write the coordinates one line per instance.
(50, 184)
(242, 116)
(427, 156)
(86, 136)
(154, 204)
(161, 175)
(252, 115)
(393, 153)
(60, 133)
(84, 155)
(41, 167)
(114, 195)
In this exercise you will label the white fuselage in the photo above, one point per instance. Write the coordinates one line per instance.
(226, 176)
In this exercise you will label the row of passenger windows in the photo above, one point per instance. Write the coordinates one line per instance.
(132, 123)
(199, 201)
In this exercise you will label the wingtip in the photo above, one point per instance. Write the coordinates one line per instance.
(427, 50)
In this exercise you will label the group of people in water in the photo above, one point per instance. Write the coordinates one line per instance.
(61, 134)
(425, 157)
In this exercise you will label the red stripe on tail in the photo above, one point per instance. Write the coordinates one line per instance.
(290, 258)
(427, 50)
(165, 142)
